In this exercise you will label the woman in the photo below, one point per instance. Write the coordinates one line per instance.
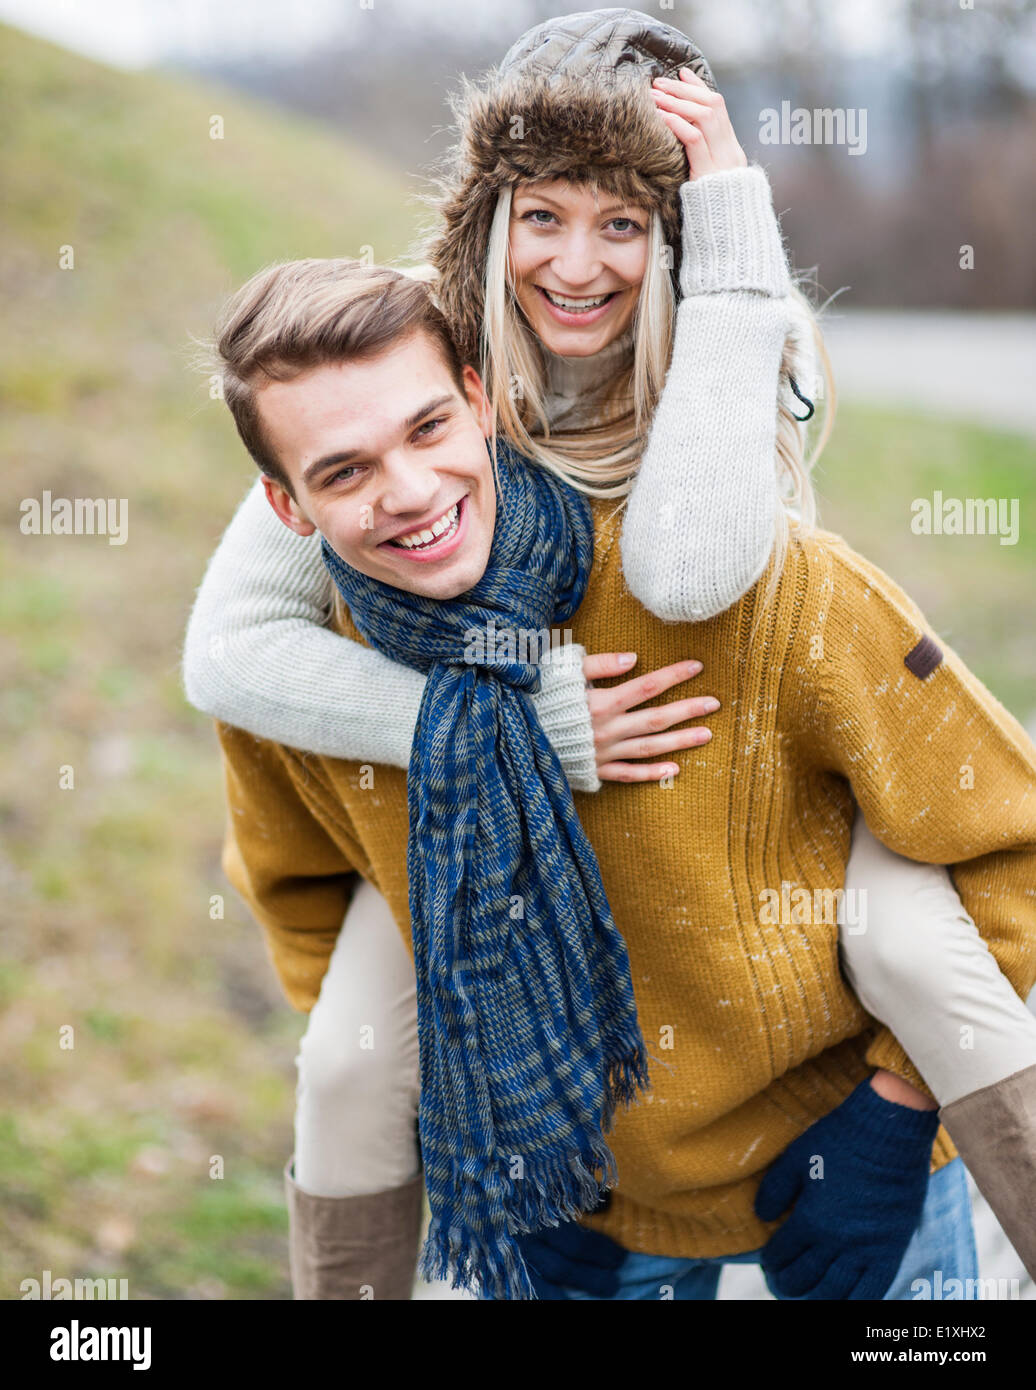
(575, 364)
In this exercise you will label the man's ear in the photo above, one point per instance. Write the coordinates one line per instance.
(478, 400)
(281, 500)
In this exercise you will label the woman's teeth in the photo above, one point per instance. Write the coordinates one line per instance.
(446, 524)
(577, 306)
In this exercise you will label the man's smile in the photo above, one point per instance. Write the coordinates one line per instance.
(439, 538)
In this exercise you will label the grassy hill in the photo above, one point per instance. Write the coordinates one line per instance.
(182, 1048)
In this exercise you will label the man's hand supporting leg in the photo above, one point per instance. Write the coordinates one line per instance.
(856, 1182)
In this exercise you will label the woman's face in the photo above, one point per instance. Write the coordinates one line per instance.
(579, 263)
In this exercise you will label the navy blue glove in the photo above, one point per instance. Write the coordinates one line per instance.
(849, 1228)
(571, 1256)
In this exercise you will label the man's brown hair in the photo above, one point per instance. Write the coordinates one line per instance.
(304, 314)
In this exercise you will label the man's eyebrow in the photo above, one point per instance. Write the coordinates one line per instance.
(342, 456)
(419, 415)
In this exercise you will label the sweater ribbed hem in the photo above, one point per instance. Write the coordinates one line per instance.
(563, 710)
(887, 1053)
(709, 1223)
(731, 238)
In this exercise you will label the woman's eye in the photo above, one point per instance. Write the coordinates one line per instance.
(539, 217)
(625, 225)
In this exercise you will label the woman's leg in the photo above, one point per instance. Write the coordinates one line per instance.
(355, 1195)
(920, 965)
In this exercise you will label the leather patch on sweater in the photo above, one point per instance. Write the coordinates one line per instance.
(924, 658)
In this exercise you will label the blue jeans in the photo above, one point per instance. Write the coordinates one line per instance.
(944, 1241)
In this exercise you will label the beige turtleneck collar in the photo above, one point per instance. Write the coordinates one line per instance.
(575, 381)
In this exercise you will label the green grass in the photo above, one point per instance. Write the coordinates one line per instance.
(182, 1045)
(976, 593)
(183, 1049)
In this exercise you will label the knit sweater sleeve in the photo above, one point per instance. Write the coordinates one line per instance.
(700, 519)
(942, 772)
(259, 655)
(296, 877)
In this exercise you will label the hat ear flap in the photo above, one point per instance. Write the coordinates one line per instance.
(459, 255)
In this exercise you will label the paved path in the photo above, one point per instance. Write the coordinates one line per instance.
(968, 366)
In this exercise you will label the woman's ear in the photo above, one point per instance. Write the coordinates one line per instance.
(478, 400)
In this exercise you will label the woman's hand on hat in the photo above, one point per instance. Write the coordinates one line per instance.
(698, 118)
(620, 732)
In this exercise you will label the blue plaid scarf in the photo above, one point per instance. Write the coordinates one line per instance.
(527, 1026)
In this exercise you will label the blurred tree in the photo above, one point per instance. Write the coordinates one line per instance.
(950, 118)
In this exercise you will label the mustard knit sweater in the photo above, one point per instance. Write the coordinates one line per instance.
(753, 1032)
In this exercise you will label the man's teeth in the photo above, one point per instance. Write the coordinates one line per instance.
(446, 523)
(577, 306)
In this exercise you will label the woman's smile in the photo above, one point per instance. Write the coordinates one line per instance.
(576, 310)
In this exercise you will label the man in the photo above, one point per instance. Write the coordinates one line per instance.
(371, 432)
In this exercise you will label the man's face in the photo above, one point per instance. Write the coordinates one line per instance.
(382, 454)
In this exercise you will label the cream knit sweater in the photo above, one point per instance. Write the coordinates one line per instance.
(259, 654)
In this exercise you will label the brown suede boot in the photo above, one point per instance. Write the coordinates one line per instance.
(995, 1131)
(354, 1247)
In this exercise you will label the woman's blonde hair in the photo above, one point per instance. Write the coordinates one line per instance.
(601, 460)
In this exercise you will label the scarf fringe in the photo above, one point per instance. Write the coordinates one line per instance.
(560, 1188)
(624, 1076)
(556, 1188)
(494, 1268)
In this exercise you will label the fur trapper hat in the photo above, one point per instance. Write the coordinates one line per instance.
(570, 100)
